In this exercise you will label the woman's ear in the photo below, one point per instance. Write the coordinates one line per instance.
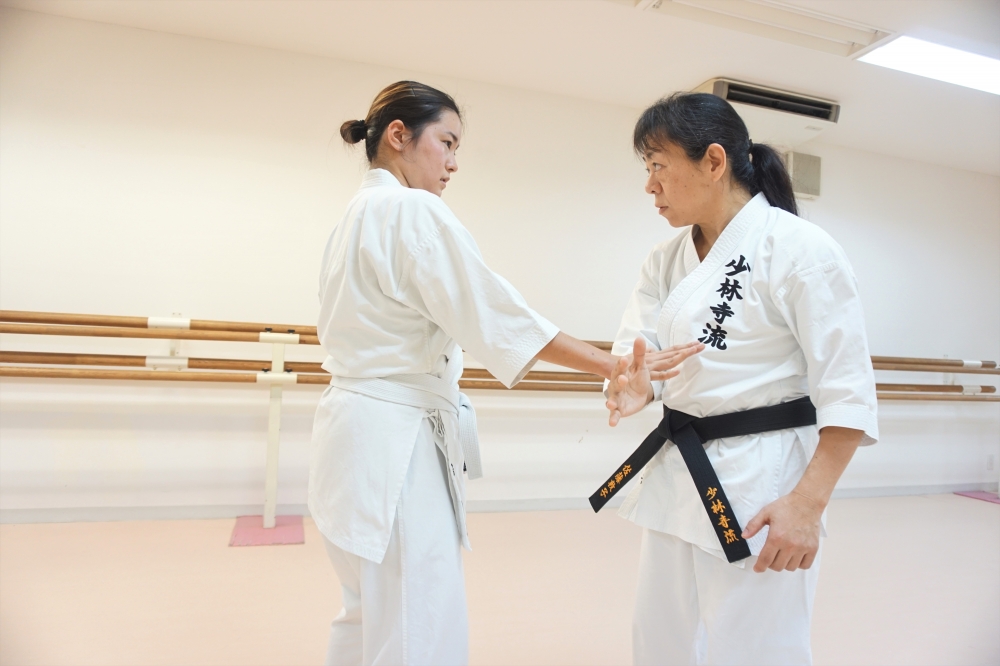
(396, 135)
(715, 161)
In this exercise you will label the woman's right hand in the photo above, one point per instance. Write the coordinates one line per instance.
(630, 388)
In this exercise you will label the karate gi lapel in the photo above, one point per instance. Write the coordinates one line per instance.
(753, 213)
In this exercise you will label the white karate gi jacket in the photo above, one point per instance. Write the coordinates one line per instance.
(792, 327)
(403, 289)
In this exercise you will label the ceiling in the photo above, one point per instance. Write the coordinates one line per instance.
(608, 51)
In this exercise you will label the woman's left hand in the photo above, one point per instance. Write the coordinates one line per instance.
(793, 534)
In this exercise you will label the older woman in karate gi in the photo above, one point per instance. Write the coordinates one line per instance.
(775, 302)
(403, 289)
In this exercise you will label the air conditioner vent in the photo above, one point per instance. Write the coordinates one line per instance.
(787, 103)
(769, 98)
(782, 118)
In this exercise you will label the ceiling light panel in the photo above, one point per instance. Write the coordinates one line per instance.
(776, 20)
(935, 61)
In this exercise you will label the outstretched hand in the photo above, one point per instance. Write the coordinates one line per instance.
(630, 387)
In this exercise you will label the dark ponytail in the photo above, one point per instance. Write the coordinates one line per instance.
(771, 177)
(415, 104)
(694, 121)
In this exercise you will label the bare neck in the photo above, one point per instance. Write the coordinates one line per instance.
(707, 231)
(392, 167)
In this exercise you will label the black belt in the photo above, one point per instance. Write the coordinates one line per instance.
(690, 434)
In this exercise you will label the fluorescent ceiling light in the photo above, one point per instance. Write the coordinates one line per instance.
(934, 61)
(775, 20)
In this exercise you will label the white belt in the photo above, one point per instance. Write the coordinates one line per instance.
(427, 392)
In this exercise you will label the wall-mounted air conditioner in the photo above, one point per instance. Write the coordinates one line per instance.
(778, 117)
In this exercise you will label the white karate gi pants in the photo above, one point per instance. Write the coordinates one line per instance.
(410, 608)
(693, 608)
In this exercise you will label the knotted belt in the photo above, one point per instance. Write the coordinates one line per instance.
(690, 434)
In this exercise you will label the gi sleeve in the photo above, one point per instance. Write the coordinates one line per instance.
(823, 309)
(641, 315)
(446, 279)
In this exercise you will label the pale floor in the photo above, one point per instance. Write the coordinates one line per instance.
(905, 580)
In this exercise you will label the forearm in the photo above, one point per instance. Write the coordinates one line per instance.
(835, 450)
(567, 351)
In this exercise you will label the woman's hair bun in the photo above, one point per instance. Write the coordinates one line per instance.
(354, 131)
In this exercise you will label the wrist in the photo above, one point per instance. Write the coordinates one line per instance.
(607, 366)
(817, 502)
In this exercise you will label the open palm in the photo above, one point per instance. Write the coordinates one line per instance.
(630, 388)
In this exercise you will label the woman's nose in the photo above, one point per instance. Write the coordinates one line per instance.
(452, 165)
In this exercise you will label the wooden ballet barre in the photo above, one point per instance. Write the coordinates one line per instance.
(110, 325)
(915, 392)
(157, 333)
(538, 375)
(159, 376)
(57, 358)
(942, 397)
(152, 375)
(935, 388)
(24, 317)
(944, 362)
(913, 367)
(178, 362)
(246, 378)
(323, 379)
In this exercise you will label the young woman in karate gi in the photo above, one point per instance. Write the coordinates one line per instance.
(403, 290)
(774, 299)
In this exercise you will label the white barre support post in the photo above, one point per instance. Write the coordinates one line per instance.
(273, 436)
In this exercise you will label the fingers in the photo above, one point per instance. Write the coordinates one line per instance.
(795, 562)
(672, 357)
(784, 559)
(766, 557)
(659, 376)
(638, 355)
(639, 349)
(781, 560)
(614, 418)
(756, 523)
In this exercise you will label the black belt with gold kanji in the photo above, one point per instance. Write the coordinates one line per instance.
(690, 434)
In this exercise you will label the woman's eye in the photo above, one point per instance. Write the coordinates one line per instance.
(448, 143)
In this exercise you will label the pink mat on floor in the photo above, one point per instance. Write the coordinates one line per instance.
(249, 531)
(980, 495)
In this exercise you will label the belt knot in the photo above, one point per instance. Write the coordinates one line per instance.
(673, 422)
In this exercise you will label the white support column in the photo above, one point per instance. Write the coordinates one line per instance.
(273, 436)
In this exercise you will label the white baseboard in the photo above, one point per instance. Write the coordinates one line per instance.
(893, 491)
(114, 514)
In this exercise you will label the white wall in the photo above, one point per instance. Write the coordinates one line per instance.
(144, 174)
